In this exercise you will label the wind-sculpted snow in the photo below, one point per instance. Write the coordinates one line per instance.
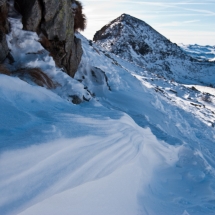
(176, 114)
(88, 143)
(143, 145)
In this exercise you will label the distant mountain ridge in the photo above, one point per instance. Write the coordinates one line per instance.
(203, 53)
(136, 41)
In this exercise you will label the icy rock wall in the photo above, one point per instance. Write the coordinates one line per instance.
(4, 27)
(54, 22)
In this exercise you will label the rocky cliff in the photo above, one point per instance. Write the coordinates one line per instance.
(54, 23)
(4, 27)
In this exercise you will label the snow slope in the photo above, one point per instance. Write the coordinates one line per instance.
(143, 144)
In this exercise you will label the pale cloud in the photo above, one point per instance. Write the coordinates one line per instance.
(191, 21)
(203, 12)
(176, 24)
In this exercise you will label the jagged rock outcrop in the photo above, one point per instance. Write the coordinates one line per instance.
(31, 12)
(4, 28)
(54, 22)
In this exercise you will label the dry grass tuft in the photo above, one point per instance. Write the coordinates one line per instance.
(45, 42)
(80, 18)
(55, 48)
(37, 76)
(4, 70)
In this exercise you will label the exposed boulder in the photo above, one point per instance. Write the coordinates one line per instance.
(4, 28)
(76, 56)
(3, 47)
(31, 13)
(54, 23)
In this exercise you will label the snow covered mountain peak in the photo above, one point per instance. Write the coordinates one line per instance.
(129, 34)
(127, 29)
(136, 41)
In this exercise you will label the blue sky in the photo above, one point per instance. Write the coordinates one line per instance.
(188, 22)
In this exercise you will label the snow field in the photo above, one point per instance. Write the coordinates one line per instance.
(36, 173)
(137, 149)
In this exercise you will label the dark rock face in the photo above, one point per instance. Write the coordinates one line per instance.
(143, 48)
(4, 28)
(100, 35)
(3, 47)
(53, 20)
(31, 13)
(58, 20)
(76, 56)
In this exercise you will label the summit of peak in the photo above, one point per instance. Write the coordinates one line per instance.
(114, 27)
(125, 15)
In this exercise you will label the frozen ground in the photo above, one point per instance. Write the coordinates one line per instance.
(143, 145)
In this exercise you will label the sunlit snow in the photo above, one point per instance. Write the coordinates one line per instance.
(143, 145)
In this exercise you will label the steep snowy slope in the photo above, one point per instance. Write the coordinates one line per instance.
(136, 41)
(143, 144)
(200, 52)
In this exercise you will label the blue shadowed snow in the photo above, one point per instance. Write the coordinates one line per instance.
(23, 118)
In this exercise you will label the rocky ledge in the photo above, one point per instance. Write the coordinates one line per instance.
(54, 22)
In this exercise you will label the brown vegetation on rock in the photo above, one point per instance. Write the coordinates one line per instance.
(37, 76)
(3, 19)
(45, 42)
(4, 70)
(55, 48)
(79, 17)
(4, 28)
